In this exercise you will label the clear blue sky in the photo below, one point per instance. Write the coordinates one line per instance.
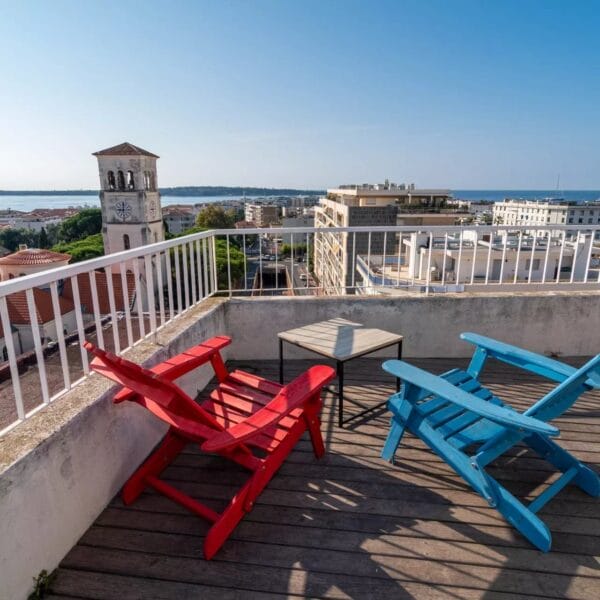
(459, 94)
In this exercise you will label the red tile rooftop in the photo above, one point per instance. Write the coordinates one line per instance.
(19, 314)
(85, 291)
(34, 256)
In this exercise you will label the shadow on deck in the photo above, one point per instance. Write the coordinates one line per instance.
(352, 525)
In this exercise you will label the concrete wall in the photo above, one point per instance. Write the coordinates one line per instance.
(562, 323)
(59, 469)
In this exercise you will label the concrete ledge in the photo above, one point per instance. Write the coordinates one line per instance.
(60, 469)
(552, 323)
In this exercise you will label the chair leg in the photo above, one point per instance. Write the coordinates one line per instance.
(169, 448)
(313, 424)
(393, 440)
(244, 500)
(521, 518)
(586, 479)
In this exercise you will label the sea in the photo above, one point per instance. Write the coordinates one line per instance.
(28, 202)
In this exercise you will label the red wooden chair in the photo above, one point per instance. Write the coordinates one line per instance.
(250, 420)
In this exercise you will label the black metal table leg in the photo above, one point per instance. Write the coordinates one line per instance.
(281, 361)
(399, 358)
(340, 374)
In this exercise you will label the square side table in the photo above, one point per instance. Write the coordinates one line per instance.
(340, 340)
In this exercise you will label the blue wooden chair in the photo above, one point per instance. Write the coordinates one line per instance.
(469, 427)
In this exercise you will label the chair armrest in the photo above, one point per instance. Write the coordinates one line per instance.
(518, 357)
(440, 387)
(292, 396)
(183, 363)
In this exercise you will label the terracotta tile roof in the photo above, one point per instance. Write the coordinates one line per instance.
(85, 291)
(19, 314)
(124, 149)
(34, 256)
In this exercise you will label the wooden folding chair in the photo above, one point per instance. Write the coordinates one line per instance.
(250, 420)
(469, 427)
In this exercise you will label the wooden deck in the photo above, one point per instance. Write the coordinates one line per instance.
(351, 525)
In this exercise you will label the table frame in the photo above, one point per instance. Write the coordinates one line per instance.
(340, 376)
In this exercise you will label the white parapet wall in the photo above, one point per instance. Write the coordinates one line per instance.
(60, 469)
(552, 323)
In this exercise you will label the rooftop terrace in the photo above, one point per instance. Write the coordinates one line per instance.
(352, 525)
(349, 526)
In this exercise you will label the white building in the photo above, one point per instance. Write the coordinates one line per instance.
(533, 212)
(362, 205)
(18, 312)
(261, 214)
(505, 258)
(298, 221)
(179, 218)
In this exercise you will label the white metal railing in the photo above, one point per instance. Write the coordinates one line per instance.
(120, 299)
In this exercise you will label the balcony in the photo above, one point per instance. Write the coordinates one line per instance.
(349, 525)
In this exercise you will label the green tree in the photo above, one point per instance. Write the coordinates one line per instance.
(85, 223)
(11, 238)
(89, 247)
(214, 217)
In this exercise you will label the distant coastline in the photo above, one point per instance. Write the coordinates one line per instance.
(26, 201)
(201, 190)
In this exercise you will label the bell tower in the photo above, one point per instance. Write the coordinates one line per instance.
(129, 198)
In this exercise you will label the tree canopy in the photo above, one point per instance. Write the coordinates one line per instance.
(89, 247)
(214, 217)
(85, 223)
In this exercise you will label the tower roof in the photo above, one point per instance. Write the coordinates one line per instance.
(124, 149)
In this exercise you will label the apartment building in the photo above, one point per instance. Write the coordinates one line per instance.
(362, 205)
(179, 218)
(261, 214)
(546, 212)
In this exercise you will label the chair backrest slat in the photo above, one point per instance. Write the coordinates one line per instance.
(164, 393)
(564, 395)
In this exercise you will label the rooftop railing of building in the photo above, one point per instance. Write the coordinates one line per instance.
(120, 299)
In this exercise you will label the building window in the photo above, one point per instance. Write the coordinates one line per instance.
(121, 180)
(5, 353)
(126, 243)
(536, 264)
(110, 180)
(590, 220)
(580, 220)
(570, 219)
(130, 181)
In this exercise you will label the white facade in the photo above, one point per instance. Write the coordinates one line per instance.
(261, 214)
(509, 262)
(531, 212)
(299, 238)
(178, 220)
(4, 349)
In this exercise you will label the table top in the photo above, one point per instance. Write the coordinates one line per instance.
(340, 339)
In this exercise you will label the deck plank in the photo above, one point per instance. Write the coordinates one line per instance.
(351, 525)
